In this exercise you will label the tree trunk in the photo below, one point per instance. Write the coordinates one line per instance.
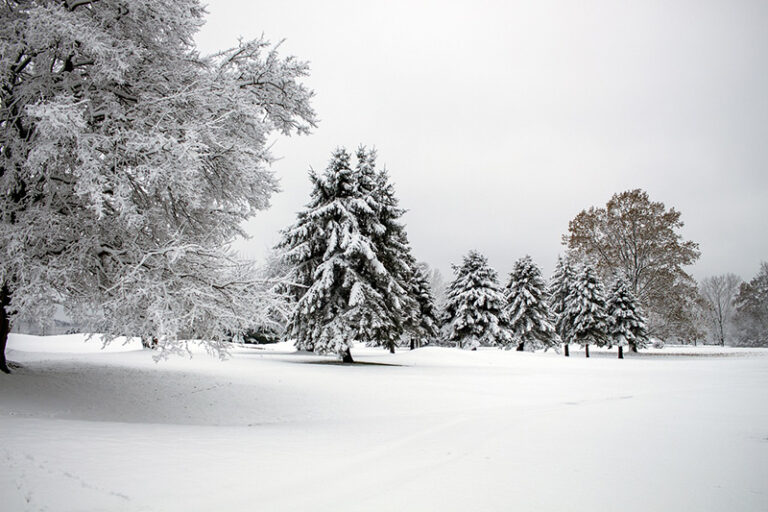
(346, 357)
(391, 349)
(621, 352)
(413, 344)
(586, 349)
(567, 354)
(5, 326)
(521, 346)
(634, 348)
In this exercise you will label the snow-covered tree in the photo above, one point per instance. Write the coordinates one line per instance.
(625, 323)
(530, 319)
(394, 251)
(345, 293)
(424, 326)
(128, 162)
(585, 311)
(475, 305)
(560, 286)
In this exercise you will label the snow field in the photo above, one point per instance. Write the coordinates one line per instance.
(442, 429)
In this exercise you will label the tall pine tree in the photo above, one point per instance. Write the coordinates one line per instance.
(626, 325)
(474, 310)
(393, 250)
(529, 316)
(585, 310)
(345, 293)
(560, 286)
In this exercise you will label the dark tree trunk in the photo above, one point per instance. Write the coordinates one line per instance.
(391, 349)
(634, 348)
(586, 349)
(413, 344)
(346, 357)
(5, 326)
(521, 346)
(567, 354)
(621, 352)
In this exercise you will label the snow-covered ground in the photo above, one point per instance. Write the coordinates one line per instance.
(433, 429)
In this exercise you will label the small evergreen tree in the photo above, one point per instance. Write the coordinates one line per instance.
(474, 310)
(529, 316)
(626, 325)
(423, 326)
(585, 310)
(561, 285)
(345, 294)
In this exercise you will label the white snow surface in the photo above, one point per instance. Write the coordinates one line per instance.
(86, 429)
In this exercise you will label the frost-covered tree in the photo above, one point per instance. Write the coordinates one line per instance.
(626, 324)
(530, 319)
(475, 305)
(344, 291)
(560, 286)
(128, 161)
(585, 310)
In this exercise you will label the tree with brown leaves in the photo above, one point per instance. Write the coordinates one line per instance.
(639, 240)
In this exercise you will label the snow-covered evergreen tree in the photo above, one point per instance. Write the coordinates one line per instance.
(423, 327)
(393, 250)
(626, 324)
(585, 310)
(345, 293)
(560, 286)
(530, 319)
(475, 303)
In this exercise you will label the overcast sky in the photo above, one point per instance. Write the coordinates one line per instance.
(500, 121)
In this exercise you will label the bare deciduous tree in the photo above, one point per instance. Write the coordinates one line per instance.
(719, 293)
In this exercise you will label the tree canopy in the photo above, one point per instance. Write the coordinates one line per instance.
(128, 162)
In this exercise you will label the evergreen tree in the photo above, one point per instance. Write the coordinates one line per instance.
(474, 310)
(393, 250)
(626, 325)
(345, 293)
(585, 310)
(529, 316)
(560, 287)
(424, 324)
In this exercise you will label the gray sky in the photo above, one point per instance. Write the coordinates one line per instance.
(500, 121)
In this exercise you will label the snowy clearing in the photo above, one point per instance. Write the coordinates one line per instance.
(433, 429)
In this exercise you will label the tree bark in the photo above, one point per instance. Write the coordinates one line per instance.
(391, 349)
(586, 349)
(5, 326)
(521, 346)
(621, 352)
(413, 344)
(346, 357)
(567, 354)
